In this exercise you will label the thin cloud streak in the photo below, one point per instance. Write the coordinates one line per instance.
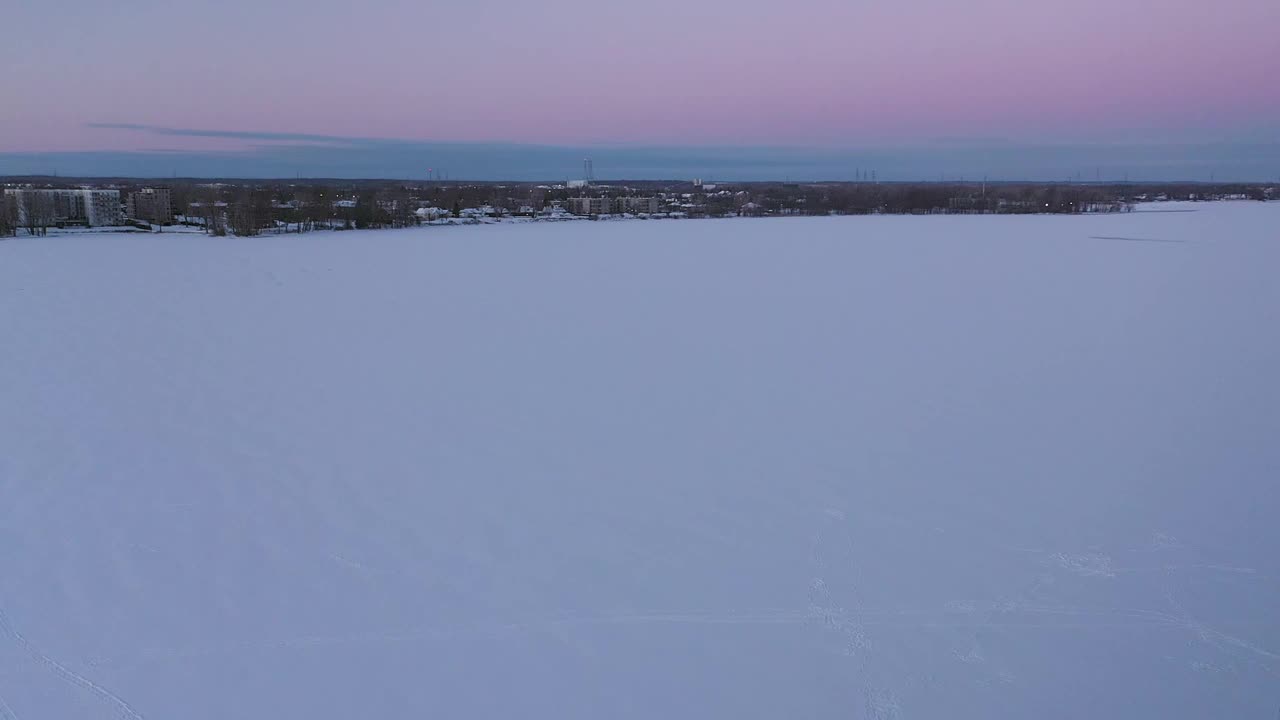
(228, 134)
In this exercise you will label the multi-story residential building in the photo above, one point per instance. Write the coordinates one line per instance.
(642, 205)
(590, 206)
(608, 206)
(67, 207)
(153, 205)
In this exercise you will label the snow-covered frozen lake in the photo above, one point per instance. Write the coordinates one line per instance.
(880, 467)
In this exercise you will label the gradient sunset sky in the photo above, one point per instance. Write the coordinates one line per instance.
(134, 78)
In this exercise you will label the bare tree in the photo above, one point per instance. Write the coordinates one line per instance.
(36, 211)
(213, 212)
(243, 215)
(320, 207)
(403, 207)
(8, 215)
(302, 202)
(215, 219)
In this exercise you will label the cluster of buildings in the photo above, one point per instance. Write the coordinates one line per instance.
(90, 207)
(581, 206)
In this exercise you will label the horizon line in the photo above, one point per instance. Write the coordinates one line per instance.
(674, 180)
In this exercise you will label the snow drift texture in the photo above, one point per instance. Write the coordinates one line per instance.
(961, 467)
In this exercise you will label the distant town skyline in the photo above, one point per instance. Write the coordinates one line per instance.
(926, 87)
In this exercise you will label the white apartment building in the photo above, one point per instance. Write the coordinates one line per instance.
(68, 207)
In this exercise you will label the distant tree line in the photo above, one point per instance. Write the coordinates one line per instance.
(247, 209)
(254, 207)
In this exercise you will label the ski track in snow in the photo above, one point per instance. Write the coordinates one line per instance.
(835, 619)
(1133, 239)
(6, 712)
(1221, 641)
(68, 675)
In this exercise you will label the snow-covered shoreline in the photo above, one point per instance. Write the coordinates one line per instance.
(183, 229)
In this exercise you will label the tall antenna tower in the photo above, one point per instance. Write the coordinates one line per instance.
(588, 171)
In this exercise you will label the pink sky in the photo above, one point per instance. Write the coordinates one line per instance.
(807, 72)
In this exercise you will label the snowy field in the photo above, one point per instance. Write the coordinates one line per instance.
(880, 467)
